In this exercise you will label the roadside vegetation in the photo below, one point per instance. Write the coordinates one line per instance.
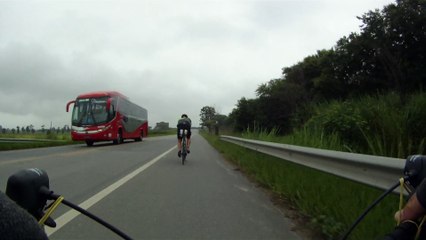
(38, 135)
(33, 140)
(162, 132)
(381, 125)
(364, 95)
(327, 204)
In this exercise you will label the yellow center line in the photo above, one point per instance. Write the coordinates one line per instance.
(28, 159)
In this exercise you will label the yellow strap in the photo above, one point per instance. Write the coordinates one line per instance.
(401, 199)
(411, 221)
(419, 228)
(50, 210)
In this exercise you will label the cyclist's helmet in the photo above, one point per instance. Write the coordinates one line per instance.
(184, 116)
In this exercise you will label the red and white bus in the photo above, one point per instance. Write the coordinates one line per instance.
(107, 116)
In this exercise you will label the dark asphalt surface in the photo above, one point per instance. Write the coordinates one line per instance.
(204, 199)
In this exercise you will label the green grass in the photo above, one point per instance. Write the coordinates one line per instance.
(38, 135)
(331, 203)
(52, 139)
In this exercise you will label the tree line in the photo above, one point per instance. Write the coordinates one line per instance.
(31, 130)
(388, 55)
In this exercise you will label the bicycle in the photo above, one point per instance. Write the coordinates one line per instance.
(184, 150)
(29, 189)
(414, 174)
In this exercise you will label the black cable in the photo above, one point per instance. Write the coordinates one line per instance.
(88, 214)
(368, 210)
(97, 219)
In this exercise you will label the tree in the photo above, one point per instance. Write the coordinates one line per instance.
(388, 54)
(207, 117)
(221, 119)
(244, 115)
(276, 109)
(401, 42)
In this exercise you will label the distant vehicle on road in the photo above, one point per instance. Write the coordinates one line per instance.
(107, 116)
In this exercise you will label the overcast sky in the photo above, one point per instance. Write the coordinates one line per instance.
(169, 56)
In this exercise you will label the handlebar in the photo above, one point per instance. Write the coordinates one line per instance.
(414, 174)
(29, 188)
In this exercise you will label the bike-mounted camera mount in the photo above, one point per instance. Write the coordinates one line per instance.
(414, 173)
(29, 188)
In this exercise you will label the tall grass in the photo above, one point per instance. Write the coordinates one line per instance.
(262, 134)
(384, 125)
(316, 138)
(309, 137)
(396, 126)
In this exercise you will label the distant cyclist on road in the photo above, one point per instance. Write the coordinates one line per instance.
(184, 123)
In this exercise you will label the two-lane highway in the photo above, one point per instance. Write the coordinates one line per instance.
(143, 189)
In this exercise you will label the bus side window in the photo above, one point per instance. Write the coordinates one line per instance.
(111, 113)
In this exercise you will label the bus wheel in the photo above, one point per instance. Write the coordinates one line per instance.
(119, 138)
(138, 139)
(89, 143)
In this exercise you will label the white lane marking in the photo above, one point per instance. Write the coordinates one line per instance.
(71, 214)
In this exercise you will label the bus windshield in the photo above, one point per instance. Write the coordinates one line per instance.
(91, 111)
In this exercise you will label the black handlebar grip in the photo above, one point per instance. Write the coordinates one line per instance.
(24, 187)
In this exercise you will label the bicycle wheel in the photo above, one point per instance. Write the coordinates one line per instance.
(183, 149)
(183, 158)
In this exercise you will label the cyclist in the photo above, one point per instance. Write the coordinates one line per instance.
(184, 123)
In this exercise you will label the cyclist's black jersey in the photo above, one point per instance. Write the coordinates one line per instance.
(184, 123)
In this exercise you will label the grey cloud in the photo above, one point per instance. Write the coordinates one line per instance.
(166, 56)
(32, 78)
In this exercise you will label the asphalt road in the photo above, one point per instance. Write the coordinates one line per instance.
(143, 189)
